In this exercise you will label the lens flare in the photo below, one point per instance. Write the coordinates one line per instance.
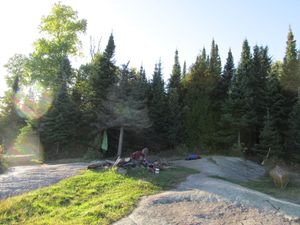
(33, 101)
(26, 147)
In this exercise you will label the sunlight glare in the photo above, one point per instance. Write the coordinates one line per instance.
(33, 101)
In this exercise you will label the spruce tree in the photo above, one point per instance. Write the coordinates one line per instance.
(228, 73)
(158, 106)
(290, 80)
(104, 74)
(275, 98)
(175, 78)
(225, 134)
(215, 60)
(125, 106)
(293, 140)
(58, 126)
(184, 70)
(269, 139)
(199, 119)
(175, 105)
(255, 90)
(236, 106)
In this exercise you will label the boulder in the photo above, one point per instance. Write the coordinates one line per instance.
(279, 176)
(121, 171)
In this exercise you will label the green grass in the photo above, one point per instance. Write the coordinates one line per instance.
(89, 198)
(265, 185)
(166, 179)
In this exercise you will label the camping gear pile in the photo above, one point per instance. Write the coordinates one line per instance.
(152, 166)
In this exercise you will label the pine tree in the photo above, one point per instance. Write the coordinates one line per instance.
(275, 103)
(256, 91)
(58, 126)
(269, 139)
(225, 134)
(157, 105)
(215, 60)
(290, 80)
(228, 73)
(293, 140)
(236, 106)
(125, 108)
(184, 70)
(199, 119)
(175, 105)
(175, 78)
(104, 75)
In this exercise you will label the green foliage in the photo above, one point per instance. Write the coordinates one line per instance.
(270, 141)
(293, 141)
(199, 116)
(103, 75)
(158, 106)
(175, 108)
(58, 126)
(60, 30)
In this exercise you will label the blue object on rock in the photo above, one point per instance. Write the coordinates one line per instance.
(192, 157)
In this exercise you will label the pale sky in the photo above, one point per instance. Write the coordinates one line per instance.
(146, 30)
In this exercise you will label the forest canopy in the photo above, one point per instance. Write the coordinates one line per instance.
(252, 108)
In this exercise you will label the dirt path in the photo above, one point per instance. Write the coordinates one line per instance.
(21, 179)
(205, 200)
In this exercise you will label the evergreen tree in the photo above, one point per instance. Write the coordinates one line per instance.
(104, 75)
(236, 106)
(125, 108)
(175, 105)
(184, 70)
(175, 78)
(58, 126)
(215, 60)
(225, 134)
(290, 80)
(269, 139)
(275, 114)
(256, 92)
(228, 74)
(199, 117)
(293, 140)
(157, 105)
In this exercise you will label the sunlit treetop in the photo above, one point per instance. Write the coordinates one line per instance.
(60, 30)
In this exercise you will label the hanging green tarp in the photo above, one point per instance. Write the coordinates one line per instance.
(104, 143)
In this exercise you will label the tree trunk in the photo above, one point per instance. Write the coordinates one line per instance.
(120, 141)
(239, 139)
(57, 147)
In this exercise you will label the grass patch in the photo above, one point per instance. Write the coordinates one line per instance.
(166, 179)
(89, 198)
(265, 185)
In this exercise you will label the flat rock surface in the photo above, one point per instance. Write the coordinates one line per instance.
(206, 200)
(227, 167)
(22, 179)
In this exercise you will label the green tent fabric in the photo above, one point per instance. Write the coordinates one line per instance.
(104, 144)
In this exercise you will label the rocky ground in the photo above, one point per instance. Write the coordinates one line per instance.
(202, 199)
(21, 179)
